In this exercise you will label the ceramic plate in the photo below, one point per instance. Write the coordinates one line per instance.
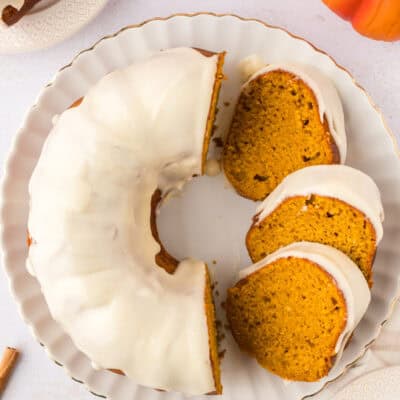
(377, 385)
(208, 221)
(50, 22)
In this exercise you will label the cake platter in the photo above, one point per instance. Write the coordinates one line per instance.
(382, 383)
(208, 220)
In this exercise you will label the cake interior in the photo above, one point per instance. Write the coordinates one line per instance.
(316, 219)
(276, 129)
(288, 315)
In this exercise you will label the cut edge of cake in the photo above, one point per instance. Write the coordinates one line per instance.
(251, 331)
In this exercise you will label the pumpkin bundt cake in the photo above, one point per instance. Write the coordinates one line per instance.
(287, 118)
(334, 205)
(295, 310)
(137, 135)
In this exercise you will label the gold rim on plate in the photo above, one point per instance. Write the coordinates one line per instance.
(377, 109)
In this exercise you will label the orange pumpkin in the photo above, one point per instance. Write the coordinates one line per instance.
(377, 19)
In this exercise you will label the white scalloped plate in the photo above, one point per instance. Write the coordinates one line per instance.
(48, 23)
(376, 385)
(209, 221)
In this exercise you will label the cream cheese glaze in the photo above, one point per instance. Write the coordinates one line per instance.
(337, 181)
(327, 97)
(138, 129)
(348, 277)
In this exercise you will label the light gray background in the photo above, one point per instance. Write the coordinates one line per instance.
(375, 65)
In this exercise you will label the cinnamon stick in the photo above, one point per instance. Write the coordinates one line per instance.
(7, 363)
(12, 15)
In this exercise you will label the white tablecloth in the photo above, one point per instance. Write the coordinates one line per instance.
(375, 65)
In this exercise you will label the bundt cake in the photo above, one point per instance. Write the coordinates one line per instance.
(287, 117)
(295, 310)
(137, 135)
(334, 205)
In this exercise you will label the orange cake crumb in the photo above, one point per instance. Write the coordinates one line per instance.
(276, 129)
(316, 219)
(288, 315)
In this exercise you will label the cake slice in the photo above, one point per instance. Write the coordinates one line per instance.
(287, 117)
(295, 310)
(335, 205)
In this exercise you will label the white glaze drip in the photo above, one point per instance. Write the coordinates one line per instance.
(337, 181)
(55, 119)
(138, 129)
(213, 167)
(328, 99)
(249, 66)
(348, 277)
